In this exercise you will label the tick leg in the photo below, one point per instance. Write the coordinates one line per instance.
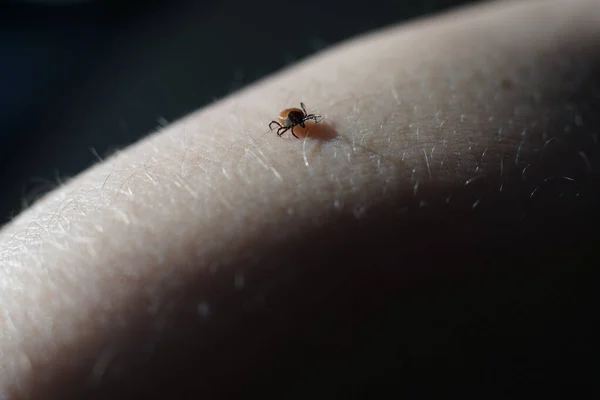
(303, 108)
(276, 123)
(294, 133)
(313, 117)
(281, 131)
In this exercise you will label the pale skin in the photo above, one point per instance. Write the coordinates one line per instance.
(437, 119)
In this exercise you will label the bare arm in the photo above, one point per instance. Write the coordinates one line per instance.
(209, 224)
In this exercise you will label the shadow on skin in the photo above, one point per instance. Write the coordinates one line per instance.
(320, 131)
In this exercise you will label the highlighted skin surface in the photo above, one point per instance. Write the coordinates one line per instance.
(206, 243)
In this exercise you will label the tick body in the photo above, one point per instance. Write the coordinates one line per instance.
(289, 118)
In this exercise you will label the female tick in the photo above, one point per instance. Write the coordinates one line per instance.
(292, 117)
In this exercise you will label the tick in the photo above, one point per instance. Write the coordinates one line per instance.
(292, 117)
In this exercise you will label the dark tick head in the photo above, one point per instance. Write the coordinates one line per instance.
(296, 117)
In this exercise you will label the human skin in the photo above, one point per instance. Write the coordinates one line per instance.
(204, 244)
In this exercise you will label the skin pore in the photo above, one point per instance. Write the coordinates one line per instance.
(210, 243)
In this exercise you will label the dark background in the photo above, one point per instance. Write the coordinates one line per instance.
(102, 74)
(77, 75)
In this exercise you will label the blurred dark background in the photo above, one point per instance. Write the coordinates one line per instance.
(99, 74)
